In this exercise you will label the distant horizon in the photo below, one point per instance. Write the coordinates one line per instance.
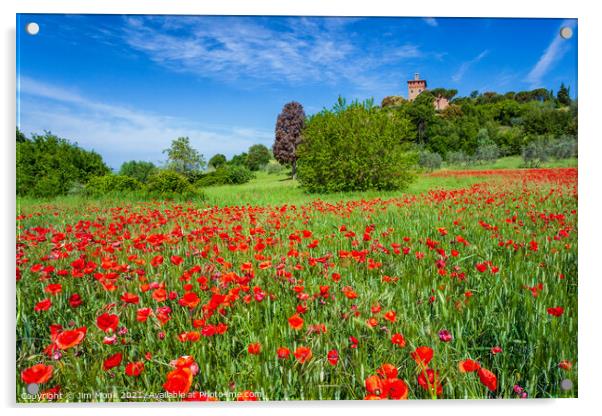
(125, 86)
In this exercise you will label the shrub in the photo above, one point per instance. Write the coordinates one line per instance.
(111, 184)
(429, 160)
(355, 148)
(535, 153)
(274, 168)
(226, 175)
(170, 184)
(486, 153)
(563, 148)
(457, 158)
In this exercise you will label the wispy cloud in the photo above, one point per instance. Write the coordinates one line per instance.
(431, 21)
(459, 74)
(121, 133)
(553, 53)
(297, 51)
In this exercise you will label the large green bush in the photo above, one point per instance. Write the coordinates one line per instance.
(226, 175)
(356, 147)
(49, 166)
(111, 185)
(170, 184)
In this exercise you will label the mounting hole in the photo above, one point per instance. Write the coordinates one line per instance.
(566, 32)
(32, 28)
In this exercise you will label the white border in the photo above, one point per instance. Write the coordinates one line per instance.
(590, 235)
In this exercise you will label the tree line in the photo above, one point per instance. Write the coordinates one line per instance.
(354, 146)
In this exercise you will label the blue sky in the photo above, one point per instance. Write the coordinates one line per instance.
(126, 86)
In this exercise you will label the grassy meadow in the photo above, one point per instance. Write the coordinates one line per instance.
(459, 287)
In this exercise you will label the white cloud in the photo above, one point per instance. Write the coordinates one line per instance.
(121, 133)
(297, 51)
(459, 74)
(554, 52)
(431, 21)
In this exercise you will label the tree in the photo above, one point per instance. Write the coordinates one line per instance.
(422, 112)
(563, 95)
(258, 156)
(20, 136)
(217, 160)
(356, 148)
(239, 160)
(289, 127)
(183, 158)
(139, 170)
(48, 165)
(392, 100)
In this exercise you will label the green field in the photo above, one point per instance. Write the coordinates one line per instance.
(276, 189)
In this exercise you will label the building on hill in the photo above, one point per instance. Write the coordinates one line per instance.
(416, 86)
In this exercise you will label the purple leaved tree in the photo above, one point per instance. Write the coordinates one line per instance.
(289, 126)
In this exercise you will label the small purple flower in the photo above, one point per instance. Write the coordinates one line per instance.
(445, 335)
(122, 331)
(161, 335)
(524, 395)
(57, 355)
(518, 389)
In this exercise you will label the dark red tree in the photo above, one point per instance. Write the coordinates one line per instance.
(289, 126)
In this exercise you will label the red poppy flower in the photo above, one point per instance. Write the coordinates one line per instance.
(557, 311)
(53, 288)
(565, 365)
(422, 355)
(189, 300)
(283, 352)
(143, 314)
(157, 261)
(496, 350)
(134, 369)
(107, 322)
(75, 300)
(395, 388)
(374, 385)
(390, 316)
(387, 371)
(488, 379)
(178, 381)
(176, 260)
(130, 298)
(468, 366)
(429, 381)
(43, 305)
(254, 348)
(70, 338)
(38, 374)
(333, 357)
(398, 340)
(295, 322)
(303, 354)
(112, 362)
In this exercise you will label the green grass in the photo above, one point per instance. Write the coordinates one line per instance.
(264, 189)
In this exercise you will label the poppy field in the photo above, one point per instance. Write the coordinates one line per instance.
(452, 293)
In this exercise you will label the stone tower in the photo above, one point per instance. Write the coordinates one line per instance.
(415, 87)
